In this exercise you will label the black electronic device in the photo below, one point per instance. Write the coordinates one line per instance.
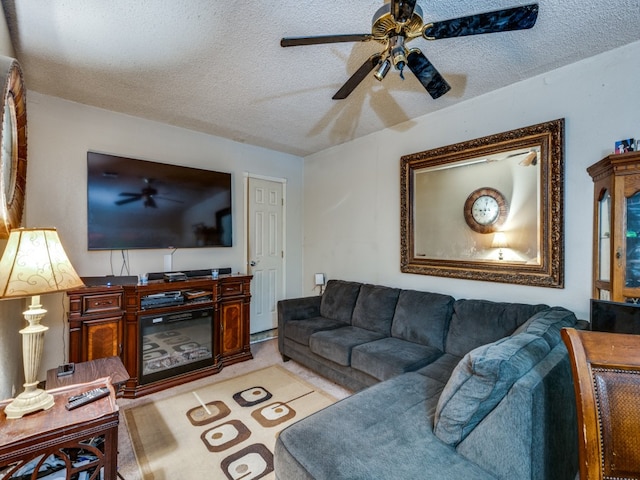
(86, 397)
(175, 277)
(615, 317)
(141, 204)
(164, 299)
(66, 369)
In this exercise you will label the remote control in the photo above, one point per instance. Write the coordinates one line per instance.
(86, 397)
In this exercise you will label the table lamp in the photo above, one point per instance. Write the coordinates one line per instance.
(34, 263)
(499, 242)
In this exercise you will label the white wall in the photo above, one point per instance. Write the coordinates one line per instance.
(59, 135)
(352, 191)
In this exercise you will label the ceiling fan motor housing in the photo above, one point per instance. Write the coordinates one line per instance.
(384, 25)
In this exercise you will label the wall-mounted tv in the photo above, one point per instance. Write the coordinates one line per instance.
(615, 317)
(141, 204)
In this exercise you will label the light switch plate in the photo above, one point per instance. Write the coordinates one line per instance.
(319, 278)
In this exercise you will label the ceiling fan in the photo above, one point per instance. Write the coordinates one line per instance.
(398, 22)
(148, 194)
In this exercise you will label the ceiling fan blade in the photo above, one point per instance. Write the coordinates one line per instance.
(402, 10)
(295, 41)
(518, 18)
(128, 200)
(429, 77)
(357, 77)
(168, 199)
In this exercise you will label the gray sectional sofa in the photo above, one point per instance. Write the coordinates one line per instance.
(447, 389)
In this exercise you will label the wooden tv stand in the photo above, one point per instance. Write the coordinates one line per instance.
(104, 321)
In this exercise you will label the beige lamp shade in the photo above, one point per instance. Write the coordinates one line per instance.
(499, 240)
(34, 263)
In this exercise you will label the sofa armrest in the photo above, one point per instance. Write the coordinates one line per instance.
(296, 309)
(533, 430)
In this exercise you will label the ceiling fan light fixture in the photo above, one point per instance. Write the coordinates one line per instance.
(398, 52)
(382, 70)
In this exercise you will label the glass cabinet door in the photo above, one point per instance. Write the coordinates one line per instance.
(604, 237)
(632, 260)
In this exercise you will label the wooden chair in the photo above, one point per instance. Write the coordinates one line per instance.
(606, 376)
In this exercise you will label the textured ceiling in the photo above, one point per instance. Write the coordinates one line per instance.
(217, 66)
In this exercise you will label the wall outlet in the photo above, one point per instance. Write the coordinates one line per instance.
(319, 278)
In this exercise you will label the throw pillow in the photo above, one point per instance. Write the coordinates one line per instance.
(480, 381)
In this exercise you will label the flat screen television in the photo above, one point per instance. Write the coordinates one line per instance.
(615, 317)
(141, 204)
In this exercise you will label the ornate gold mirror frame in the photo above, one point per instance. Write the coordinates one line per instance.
(13, 146)
(487, 209)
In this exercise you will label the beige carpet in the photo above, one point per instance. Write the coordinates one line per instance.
(223, 430)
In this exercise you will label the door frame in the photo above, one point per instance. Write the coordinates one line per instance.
(283, 181)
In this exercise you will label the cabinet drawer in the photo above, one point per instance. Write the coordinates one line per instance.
(106, 302)
(230, 288)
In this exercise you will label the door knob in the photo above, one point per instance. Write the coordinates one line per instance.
(253, 263)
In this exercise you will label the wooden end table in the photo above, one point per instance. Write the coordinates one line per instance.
(89, 371)
(76, 442)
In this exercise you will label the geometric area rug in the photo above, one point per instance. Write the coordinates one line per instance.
(223, 430)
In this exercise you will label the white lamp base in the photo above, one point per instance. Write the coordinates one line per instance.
(33, 398)
(29, 401)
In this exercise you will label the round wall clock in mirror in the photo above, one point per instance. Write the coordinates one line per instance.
(13, 150)
(485, 210)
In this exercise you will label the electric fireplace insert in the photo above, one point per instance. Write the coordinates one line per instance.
(175, 343)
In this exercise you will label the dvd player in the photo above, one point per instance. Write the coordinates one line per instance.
(165, 299)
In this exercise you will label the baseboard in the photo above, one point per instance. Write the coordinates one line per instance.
(263, 336)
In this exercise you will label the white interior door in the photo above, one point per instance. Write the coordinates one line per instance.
(265, 251)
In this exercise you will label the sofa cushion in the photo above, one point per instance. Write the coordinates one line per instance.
(548, 323)
(390, 356)
(422, 317)
(338, 300)
(478, 322)
(481, 380)
(300, 330)
(375, 307)
(441, 368)
(383, 432)
(336, 345)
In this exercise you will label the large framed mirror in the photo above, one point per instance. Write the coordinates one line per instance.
(487, 209)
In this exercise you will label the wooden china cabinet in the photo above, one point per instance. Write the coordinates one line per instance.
(616, 228)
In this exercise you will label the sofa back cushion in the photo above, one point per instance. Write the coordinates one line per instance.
(478, 322)
(339, 299)
(422, 317)
(375, 307)
(548, 323)
(480, 381)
